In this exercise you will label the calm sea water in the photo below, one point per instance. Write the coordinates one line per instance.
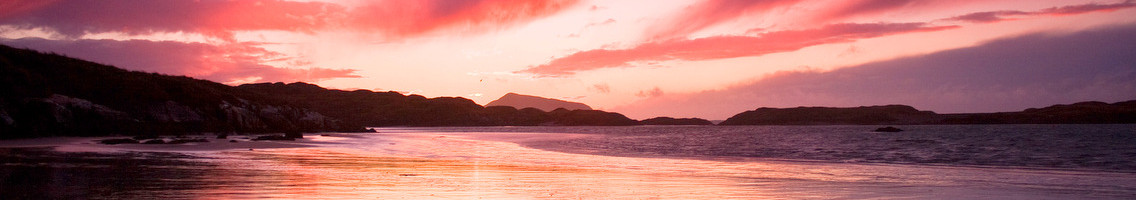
(1068, 146)
(643, 162)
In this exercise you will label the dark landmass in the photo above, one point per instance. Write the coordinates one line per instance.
(53, 95)
(1091, 112)
(864, 115)
(371, 108)
(1078, 113)
(526, 101)
(673, 121)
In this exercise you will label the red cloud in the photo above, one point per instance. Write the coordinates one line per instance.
(15, 7)
(213, 18)
(996, 16)
(227, 63)
(404, 18)
(1085, 8)
(723, 46)
(845, 9)
(711, 12)
(221, 19)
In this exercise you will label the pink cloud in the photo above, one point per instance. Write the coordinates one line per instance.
(221, 19)
(844, 9)
(987, 17)
(227, 63)
(403, 18)
(708, 13)
(723, 47)
(996, 16)
(16, 7)
(212, 18)
(1085, 8)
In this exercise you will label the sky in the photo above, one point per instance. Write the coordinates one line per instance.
(679, 58)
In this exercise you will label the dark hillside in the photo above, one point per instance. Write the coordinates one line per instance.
(48, 95)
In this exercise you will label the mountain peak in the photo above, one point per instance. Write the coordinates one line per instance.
(528, 101)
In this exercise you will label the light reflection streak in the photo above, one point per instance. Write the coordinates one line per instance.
(491, 166)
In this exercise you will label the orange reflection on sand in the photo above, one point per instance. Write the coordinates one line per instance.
(310, 172)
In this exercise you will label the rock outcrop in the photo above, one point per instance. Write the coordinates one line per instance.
(888, 129)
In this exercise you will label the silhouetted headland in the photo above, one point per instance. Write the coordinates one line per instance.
(1077, 113)
(371, 108)
(676, 121)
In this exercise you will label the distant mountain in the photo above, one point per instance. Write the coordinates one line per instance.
(53, 95)
(526, 101)
(1077, 113)
(674, 121)
(393, 109)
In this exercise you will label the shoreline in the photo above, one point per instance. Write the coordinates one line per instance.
(92, 144)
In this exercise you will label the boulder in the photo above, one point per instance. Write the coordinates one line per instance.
(888, 129)
(293, 134)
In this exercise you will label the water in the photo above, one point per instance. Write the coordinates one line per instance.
(1094, 147)
(651, 162)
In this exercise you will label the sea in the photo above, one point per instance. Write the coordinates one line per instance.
(633, 162)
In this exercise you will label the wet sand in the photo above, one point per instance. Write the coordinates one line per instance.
(424, 165)
(91, 144)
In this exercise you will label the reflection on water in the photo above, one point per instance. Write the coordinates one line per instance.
(431, 165)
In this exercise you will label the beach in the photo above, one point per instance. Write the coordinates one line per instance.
(424, 164)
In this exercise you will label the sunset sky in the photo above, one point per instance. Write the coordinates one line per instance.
(678, 58)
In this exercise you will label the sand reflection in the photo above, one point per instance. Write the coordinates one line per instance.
(320, 173)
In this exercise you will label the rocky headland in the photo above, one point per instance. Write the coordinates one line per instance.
(1077, 113)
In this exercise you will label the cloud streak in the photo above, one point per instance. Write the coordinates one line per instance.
(708, 13)
(212, 18)
(407, 18)
(722, 47)
(221, 19)
(997, 16)
(1004, 75)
